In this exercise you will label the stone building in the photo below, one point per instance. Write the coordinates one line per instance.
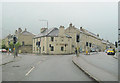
(24, 38)
(7, 40)
(64, 41)
(52, 41)
(86, 40)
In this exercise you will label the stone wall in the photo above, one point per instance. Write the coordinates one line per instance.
(25, 49)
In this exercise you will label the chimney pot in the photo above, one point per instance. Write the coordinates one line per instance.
(70, 25)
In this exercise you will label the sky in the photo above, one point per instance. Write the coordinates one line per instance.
(97, 17)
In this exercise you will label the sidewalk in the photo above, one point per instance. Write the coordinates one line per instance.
(100, 66)
(8, 58)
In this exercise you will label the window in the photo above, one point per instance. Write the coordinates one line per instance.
(36, 43)
(43, 48)
(90, 44)
(8, 42)
(49, 45)
(119, 44)
(23, 43)
(39, 43)
(86, 43)
(52, 48)
(77, 38)
(62, 48)
(52, 39)
(119, 41)
(72, 46)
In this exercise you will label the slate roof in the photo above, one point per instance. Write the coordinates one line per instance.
(90, 33)
(52, 32)
(26, 33)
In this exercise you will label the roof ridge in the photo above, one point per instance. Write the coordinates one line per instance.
(27, 32)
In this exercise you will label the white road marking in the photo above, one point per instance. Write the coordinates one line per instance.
(34, 67)
(39, 62)
(29, 71)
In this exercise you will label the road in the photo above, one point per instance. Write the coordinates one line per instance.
(104, 62)
(43, 68)
(100, 66)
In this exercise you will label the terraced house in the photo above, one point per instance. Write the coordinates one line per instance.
(86, 40)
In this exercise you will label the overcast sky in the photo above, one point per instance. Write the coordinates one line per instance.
(99, 18)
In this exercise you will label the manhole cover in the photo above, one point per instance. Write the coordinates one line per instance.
(16, 66)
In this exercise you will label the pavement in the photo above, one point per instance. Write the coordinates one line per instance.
(6, 58)
(100, 66)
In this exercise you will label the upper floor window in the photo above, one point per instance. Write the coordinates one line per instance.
(86, 43)
(49, 45)
(52, 39)
(90, 44)
(23, 43)
(77, 38)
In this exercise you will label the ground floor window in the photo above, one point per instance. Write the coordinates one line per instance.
(62, 48)
(23, 43)
(52, 48)
(43, 48)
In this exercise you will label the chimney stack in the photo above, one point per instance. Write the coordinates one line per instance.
(81, 28)
(25, 29)
(70, 25)
(42, 30)
(61, 31)
(15, 32)
(19, 30)
(97, 35)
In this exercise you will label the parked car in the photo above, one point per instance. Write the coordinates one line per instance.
(110, 52)
(93, 50)
(4, 50)
(106, 50)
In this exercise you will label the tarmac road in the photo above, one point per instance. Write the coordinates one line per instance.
(43, 68)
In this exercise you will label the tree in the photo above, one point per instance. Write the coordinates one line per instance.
(11, 45)
(3, 45)
(17, 45)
